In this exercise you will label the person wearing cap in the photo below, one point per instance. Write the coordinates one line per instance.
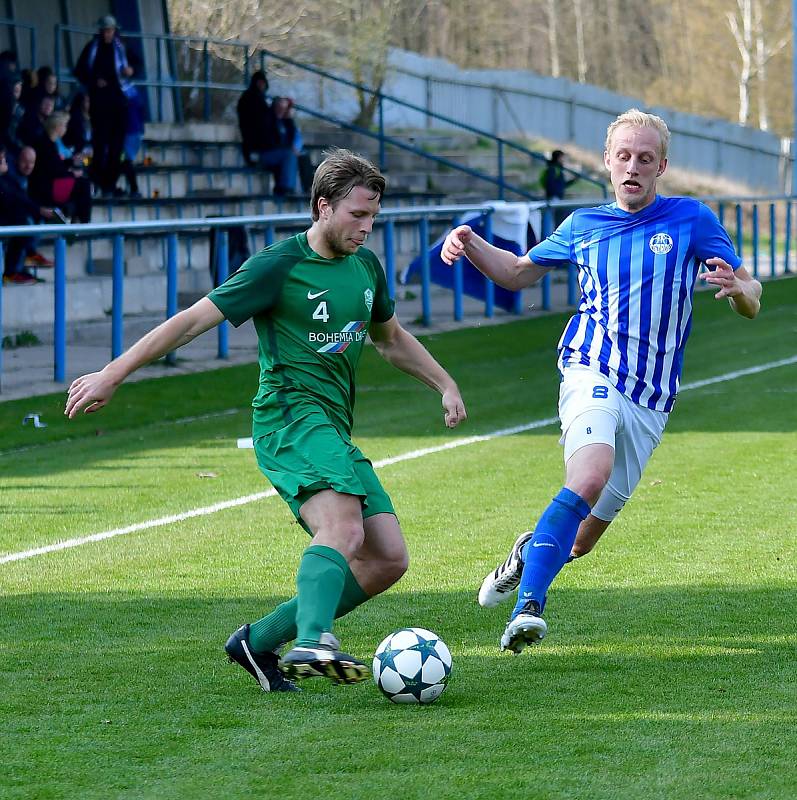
(104, 69)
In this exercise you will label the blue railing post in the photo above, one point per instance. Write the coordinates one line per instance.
(547, 230)
(206, 78)
(388, 242)
(739, 230)
(381, 133)
(171, 286)
(489, 286)
(755, 240)
(34, 56)
(458, 287)
(500, 169)
(59, 312)
(222, 270)
(426, 291)
(787, 245)
(56, 52)
(772, 240)
(118, 301)
(721, 213)
(159, 68)
(269, 235)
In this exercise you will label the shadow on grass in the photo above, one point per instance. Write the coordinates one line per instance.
(628, 681)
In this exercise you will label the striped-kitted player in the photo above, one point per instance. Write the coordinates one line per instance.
(621, 353)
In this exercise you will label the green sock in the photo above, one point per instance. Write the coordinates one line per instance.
(278, 627)
(319, 586)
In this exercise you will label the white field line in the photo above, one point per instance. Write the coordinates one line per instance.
(385, 462)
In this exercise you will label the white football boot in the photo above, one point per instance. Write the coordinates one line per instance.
(527, 627)
(499, 585)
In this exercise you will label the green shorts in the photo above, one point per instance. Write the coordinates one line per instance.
(309, 455)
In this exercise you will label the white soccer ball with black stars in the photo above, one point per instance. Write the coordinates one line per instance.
(412, 665)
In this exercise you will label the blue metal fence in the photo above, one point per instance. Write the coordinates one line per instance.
(168, 232)
(772, 248)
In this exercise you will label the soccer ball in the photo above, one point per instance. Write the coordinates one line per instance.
(412, 666)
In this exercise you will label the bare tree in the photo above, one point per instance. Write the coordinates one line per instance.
(553, 44)
(578, 11)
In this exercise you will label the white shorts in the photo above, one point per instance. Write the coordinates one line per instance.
(592, 411)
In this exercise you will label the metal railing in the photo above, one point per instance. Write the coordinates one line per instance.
(169, 231)
(246, 54)
(14, 25)
(760, 227)
(382, 98)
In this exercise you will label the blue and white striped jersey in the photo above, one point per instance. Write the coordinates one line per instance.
(637, 274)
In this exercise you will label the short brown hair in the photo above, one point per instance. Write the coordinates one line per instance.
(339, 173)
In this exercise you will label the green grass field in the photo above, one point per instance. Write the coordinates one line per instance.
(668, 671)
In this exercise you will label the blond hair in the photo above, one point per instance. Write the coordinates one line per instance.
(339, 173)
(641, 119)
(54, 120)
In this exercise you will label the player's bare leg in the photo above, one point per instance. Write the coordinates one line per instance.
(590, 530)
(382, 558)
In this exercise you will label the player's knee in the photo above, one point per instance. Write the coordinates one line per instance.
(588, 485)
(345, 535)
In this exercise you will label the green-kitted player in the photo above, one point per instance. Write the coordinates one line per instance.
(313, 298)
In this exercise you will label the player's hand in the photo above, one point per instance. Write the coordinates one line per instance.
(454, 245)
(453, 407)
(724, 277)
(89, 392)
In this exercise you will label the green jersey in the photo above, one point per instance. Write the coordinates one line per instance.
(312, 316)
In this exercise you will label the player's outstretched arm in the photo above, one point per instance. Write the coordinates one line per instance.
(400, 348)
(504, 268)
(93, 391)
(739, 286)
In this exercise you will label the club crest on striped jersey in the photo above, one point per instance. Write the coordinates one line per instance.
(660, 243)
(368, 296)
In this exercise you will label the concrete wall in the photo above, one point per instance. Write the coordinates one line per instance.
(513, 102)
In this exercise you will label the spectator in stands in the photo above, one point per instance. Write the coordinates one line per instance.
(57, 180)
(134, 133)
(260, 137)
(291, 136)
(17, 208)
(31, 126)
(47, 86)
(8, 76)
(553, 179)
(78, 129)
(29, 82)
(554, 183)
(17, 112)
(103, 68)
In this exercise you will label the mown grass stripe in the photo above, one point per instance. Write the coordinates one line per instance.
(409, 456)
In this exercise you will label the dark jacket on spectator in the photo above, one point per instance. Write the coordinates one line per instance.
(15, 202)
(30, 128)
(49, 166)
(99, 60)
(257, 120)
(78, 131)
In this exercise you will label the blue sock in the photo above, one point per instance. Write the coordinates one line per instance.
(548, 550)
